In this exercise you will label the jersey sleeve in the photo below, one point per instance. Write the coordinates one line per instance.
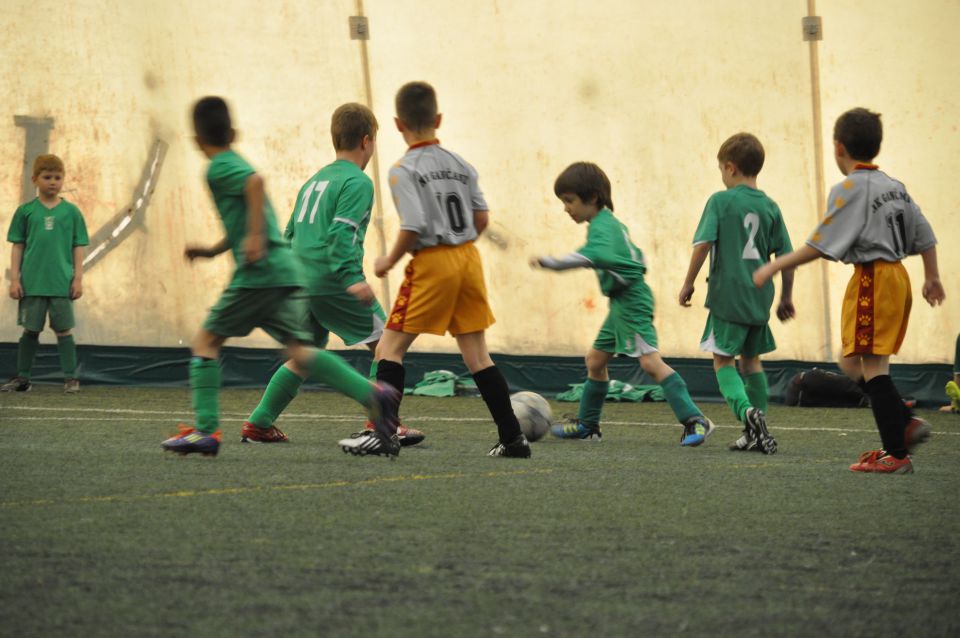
(228, 178)
(599, 245)
(779, 237)
(477, 200)
(709, 221)
(403, 188)
(924, 238)
(837, 233)
(80, 237)
(344, 245)
(17, 233)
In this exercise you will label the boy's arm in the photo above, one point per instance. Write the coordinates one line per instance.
(406, 240)
(16, 258)
(192, 251)
(932, 288)
(481, 219)
(785, 310)
(565, 262)
(255, 242)
(344, 256)
(76, 286)
(803, 255)
(700, 252)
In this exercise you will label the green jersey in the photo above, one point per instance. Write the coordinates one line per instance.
(328, 226)
(227, 177)
(49, 236)
(745, 227)
(619, 264)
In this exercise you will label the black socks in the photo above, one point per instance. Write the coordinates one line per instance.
(496, 394)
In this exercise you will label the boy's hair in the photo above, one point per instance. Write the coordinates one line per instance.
(350, 123)
(211, 121)
(47, 163)
(860, 131)
(745, 151)
(587, 181)
(416, 104)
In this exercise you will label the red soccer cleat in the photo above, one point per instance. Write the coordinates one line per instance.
(272, 434)
(916, 432)
(878, 461)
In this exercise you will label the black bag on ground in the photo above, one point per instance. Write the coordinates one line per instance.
(821, 389)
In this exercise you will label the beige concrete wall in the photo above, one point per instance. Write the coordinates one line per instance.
(648, 90)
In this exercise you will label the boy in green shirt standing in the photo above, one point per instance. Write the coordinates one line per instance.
(628, 329)
(263, 293)
(740, 228)
(46, 272)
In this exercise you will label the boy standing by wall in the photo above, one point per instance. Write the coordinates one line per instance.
(442, 212)
(628, 329)
(46, 272)
(872, 223)
(740, 228)
(263, 292)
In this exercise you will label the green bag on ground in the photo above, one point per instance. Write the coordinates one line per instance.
(443, 383)
(619, 391)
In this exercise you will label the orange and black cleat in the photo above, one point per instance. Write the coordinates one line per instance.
(272, 434)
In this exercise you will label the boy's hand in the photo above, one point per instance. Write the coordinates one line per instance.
(786, 311)
(763, 274)
(933, 292)
(76, 289)
(382, 265)
(686, 294)
(362, 292)
(16, 289)
(254, 248)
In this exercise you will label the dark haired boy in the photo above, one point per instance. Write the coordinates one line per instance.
(442, 212)
(628, 329)
(263, 292)
(46, 272)
(872, 223)
(740, 228)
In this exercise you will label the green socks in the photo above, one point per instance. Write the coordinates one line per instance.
(205, 384)
(373, 370)
(733, 390)
(591, 402)
(67, 348)
(337, 373)
(26, 351)
(675, 391)
(757, 392)
(283, 387)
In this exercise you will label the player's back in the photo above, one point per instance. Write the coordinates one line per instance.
(746, 227)
(436, 192)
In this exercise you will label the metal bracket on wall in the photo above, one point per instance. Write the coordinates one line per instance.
(359, 28)
(812, 28)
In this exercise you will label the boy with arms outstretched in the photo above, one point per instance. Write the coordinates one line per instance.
(740, 228)
(442, 212)
(872, 223)
(327, 230)
(628, 329)
(46, 272)
(263, 292)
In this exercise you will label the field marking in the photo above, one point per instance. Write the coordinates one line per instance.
(303, 487)
(230, 417)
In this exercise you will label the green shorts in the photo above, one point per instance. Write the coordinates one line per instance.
(731, 339)
(628, 328)
(32, 313)
(343, 315)
(281, 312)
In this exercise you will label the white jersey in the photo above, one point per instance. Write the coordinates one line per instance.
(436, 192)
(871, 217)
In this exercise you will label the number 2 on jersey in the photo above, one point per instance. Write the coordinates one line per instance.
(313, 187)
(751, 221)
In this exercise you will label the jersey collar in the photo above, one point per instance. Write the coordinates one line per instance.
(422, 144)
(865, 167)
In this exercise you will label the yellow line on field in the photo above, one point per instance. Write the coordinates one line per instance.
(303, 487)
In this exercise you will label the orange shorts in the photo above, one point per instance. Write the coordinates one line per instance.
(442, 291)
(876, 309)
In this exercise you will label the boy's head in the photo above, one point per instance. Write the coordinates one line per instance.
(211, 121)
(416, 105)
(741, 155)
(48, 175)
(860, 132)
(354, 127)
(584, 189)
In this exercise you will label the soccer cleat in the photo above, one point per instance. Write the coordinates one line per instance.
(746, 443)
(879, 462)
(696, 430)
(17, 384)
(575, 429)
(756, 422)
(191, 440)
(519, 448)
(916, 432)
(272, 434)
(371, 442)
(71, 386)
(407, 436)
(953, 393)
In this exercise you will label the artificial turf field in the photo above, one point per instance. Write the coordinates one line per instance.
(103, 534)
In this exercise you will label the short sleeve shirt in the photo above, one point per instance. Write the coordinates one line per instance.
(436, 192)
(227, 177)
(617, 261)
(745, 227)
(870, 216)
(49, 236)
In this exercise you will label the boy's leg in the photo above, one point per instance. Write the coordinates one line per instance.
(732, 387)
(284, 385)
(696, 426)
(27, 352)
(62, 322)
(595, 388)
(755, 382)
(953, 387)
(204, 437)
(888, 409)
(389, 355)
(31, 316)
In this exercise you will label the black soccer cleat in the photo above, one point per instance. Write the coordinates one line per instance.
(519, 448)
(371, 443)
(756, 422)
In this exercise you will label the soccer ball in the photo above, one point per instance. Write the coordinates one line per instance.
(534, 414)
